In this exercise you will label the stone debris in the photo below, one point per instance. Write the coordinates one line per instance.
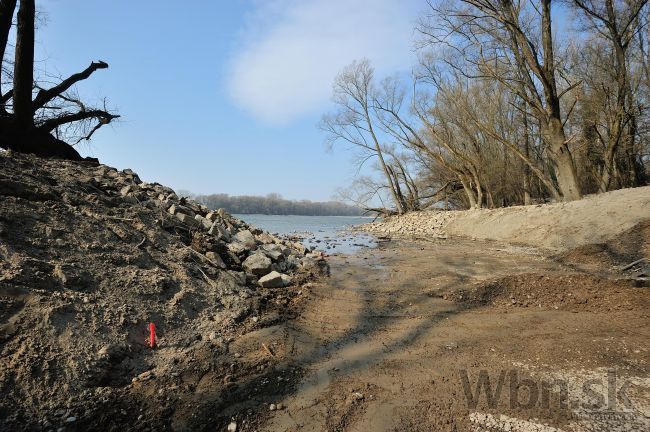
(258, 263)
(275, 280)
(427, 223)
(100, 254)
(506, 423)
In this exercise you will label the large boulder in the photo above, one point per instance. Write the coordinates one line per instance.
(257, 264)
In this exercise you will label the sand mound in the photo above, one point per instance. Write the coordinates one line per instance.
(559, 226)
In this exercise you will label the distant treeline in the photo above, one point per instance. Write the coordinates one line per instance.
(276, 205)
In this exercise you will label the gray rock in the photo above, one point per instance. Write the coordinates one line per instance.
(216, 259)
(286, 279)
(272, 251)
(233, 257)
(246, 237)
(205, 223)
(128, 189)
(179, 209)
(237, 248)
(187, 220)
(240, 277)
(273, 280)
(300, 247)
(212, 216)
(219, 231)
(265, 238)
(258, 264)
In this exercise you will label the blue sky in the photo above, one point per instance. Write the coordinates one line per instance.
(224, 96)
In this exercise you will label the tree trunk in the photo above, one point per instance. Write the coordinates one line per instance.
(380, 154)
(7, 8)
(471, 198)
(24, 68)
(527, 153)
(565, 173)
(565, 170)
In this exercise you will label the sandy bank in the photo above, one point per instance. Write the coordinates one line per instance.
(561, 226)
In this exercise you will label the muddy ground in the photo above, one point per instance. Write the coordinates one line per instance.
(388, 341)
(398, 338)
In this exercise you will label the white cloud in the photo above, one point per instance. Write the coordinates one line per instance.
(291, 50)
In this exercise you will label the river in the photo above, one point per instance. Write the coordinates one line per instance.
(329, 234)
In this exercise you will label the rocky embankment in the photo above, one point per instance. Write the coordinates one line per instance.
(89, 256)
(559, 226)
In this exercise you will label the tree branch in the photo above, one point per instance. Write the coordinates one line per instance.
(104, 117)
(44, 96)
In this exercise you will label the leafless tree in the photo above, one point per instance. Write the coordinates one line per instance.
(28, 119)
(513, 44)
(355, 122)
(610, 83)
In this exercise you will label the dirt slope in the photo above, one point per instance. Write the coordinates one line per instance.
(88, 257)
(561, 226)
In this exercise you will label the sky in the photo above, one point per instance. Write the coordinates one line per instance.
(224, 96)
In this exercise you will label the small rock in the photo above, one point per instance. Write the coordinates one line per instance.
(232, 427)
(187, 220)
(274, 280)
(203, 221)
(246, 237)
(272, 407)
(126, 190)
(357, 396)
(237, 248)
(216, 259)
(71, 419)
(280, 407)
(257, 264)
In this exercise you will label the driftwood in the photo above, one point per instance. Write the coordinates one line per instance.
(632, 264)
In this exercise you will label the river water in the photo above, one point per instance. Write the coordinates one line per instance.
(329, 234)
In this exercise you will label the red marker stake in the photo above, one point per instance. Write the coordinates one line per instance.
(152, 335)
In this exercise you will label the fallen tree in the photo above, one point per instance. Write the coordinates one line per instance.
(36, 125)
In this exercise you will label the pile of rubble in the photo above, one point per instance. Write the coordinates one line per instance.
(227, 242)
(427, 223)
(89, 256)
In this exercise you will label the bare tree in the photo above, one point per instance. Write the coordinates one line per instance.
(29, 124)
(354, 121)
(506, 42)
(617, 23)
